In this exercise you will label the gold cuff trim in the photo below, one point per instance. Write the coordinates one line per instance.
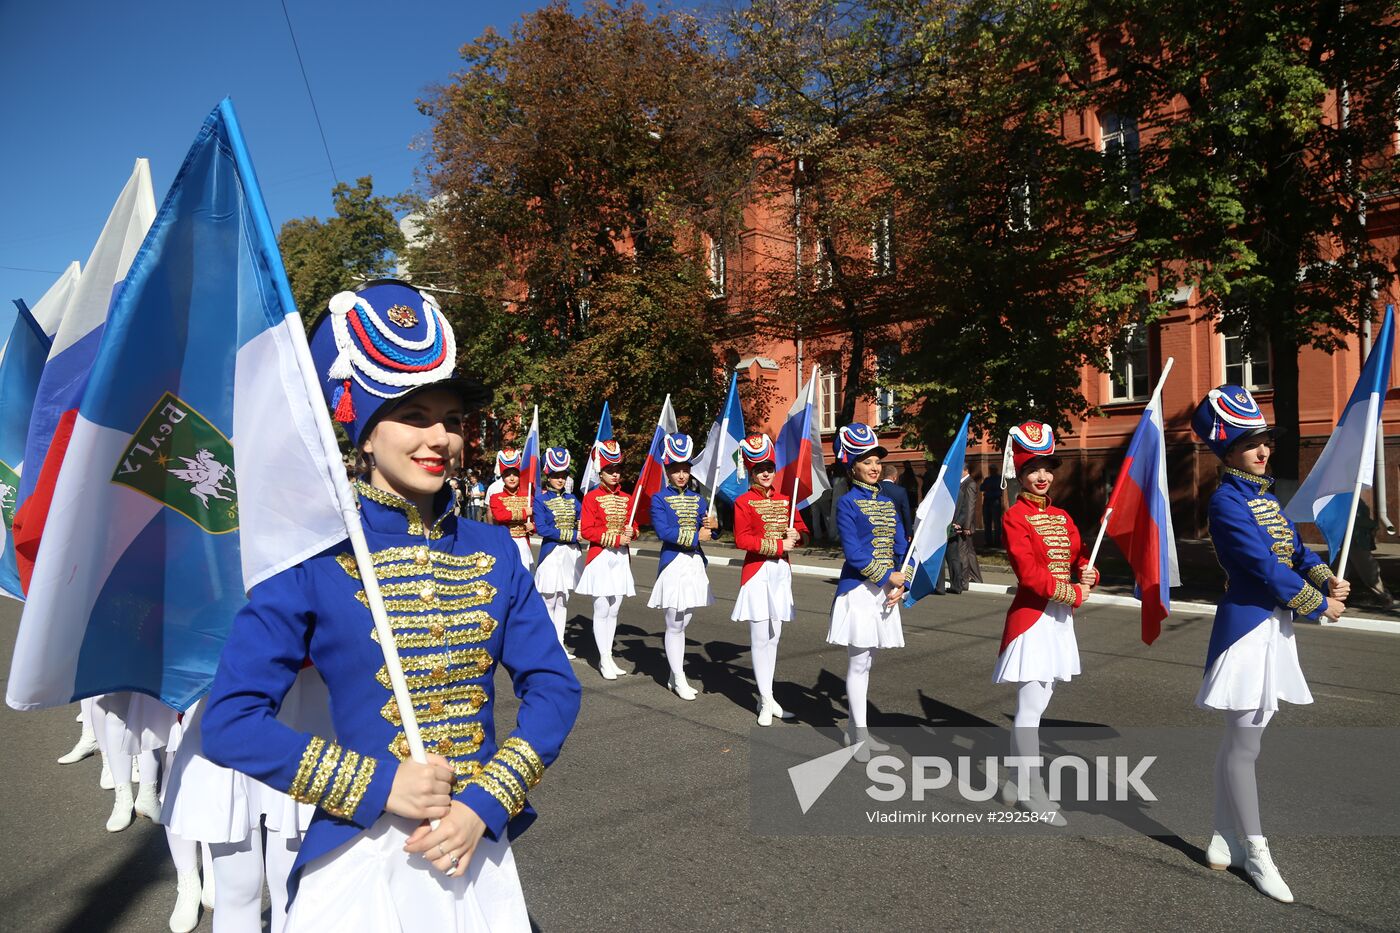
(1306, 602)
(309, 757)
(1064, 593)
(1320, 575)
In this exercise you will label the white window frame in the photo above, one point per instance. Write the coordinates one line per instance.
(882, 243)
(1247, 363)
(829, 388)
(821, 276)
(886, 403)
(716, 267)
(1130, 373)
(1123, 139)
(1018, 206)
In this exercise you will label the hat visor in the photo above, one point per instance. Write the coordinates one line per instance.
(880, 452)
(767, 463)
(1254, 434)
(1051, 461)
(472, 393)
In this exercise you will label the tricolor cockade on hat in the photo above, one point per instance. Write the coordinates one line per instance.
(508, 460)
(1228, 414)
(557, 460)
(756, 449)
(376, 345)
(606, 454)
(1026, 442)
(855, 441)
(677, 448)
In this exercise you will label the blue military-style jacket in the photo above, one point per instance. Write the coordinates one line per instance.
(872, 537)
(1265, 562)
(556, 520)
(677, 515)
(460, 602)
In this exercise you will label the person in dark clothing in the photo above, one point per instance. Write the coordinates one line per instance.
(910, 481)
(839, 487)
(962, 556)
(992, 508)
(896, 492)
(1361, 562)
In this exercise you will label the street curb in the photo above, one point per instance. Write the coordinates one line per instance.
(1355, 624)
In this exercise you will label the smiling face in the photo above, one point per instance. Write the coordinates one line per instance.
(510, 478)
(867, 469)
(556, 481)
(762, 475)
(412, 445)
(678, 474)
(1251, 456)
(1037, 476)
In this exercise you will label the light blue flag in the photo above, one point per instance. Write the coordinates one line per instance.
(1348, 462)
(719, 469)
(930, 544)
(200, 461)
(25, 353)
(590, 469)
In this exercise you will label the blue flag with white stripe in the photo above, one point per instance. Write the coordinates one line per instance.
(1348, 462)
(25, 353)
(719, 468)
(930, 544)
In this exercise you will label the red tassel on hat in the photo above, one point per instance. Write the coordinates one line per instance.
(344, 404)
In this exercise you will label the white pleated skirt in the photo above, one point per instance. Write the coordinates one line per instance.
(1046, 651)
(608, 574)
(1258, 670)
(526, 556)
(146, 723)
(860, 619)
(684, 584)
(559, 572)
(209, 803)
(767, 596)
(370, 885)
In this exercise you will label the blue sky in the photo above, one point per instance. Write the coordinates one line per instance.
(86, 88)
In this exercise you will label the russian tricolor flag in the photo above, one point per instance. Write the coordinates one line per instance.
(1347, 466)
(71, 357)
(198, 462)
(530, 457)
(590, 469)
(801, 461)
(653, 474)
(1139, 518)
(20, 370)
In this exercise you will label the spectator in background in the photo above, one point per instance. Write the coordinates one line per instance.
(992, 506)
(962, 556)
(1362, 567)
(840, 485)
(896, 492)
(476, 495)
(910, 481)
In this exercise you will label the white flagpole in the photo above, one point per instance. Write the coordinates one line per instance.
(636, 490)
(1103, 522)
(1372, 415)
(797, 480)
(349, 510)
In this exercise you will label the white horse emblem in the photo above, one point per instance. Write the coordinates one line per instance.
(205, 475)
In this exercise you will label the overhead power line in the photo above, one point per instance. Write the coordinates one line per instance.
(309, 96)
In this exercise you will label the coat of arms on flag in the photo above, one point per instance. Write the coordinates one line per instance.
(183, 462)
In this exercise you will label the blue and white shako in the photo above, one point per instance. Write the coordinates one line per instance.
(557, 460)
(855, 441)
(1227, 415)
(377, 345)
(676, 448)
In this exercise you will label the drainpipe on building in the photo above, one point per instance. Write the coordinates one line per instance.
(797, 383)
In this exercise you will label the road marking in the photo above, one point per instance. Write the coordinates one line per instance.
(1338, 696)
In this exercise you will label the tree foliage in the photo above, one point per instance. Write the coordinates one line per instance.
(358, 244)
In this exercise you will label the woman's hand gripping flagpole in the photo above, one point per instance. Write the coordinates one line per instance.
(1118, 485)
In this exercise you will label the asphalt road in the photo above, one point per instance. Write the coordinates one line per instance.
(645, 819)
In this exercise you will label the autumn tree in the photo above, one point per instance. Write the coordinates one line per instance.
(579, 167)
(359, 243)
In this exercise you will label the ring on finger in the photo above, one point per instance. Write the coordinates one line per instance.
(443, 851)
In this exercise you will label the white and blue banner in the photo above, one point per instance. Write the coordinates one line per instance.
(930, 544)
(719, 469)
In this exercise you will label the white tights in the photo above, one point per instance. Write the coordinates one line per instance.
(119, 762)
(858, 664)
(1236, 792)
(238, 881)
(605, 610)
(1032, 698)
(558, 606)
(763, 637)
(676, 621)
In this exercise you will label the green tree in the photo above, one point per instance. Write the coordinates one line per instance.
(578, 168)
(358, 244)
(1267, 129)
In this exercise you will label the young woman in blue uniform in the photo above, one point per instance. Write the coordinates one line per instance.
(557, 523)
(865, 615)
(1252, 661)
(680, 517)
(460, 603)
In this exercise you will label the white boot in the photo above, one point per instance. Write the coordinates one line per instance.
(87, 745)
(121, 809)
(608, 669)
(854, 736)
(207, 893)
(681, 687)
(1259, 865)
(1225, 851)
(148, 802)
(765, 710)
(872, 743)
(185, 916)
(779, 712)
(105, 780)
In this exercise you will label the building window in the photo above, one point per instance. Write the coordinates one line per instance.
(1128, 365)
(882, 243)
(1018, 206)
(822, 275)
(716, 268)
(829, 387)
(886, 404)
(1247, 361)
(1119, 142)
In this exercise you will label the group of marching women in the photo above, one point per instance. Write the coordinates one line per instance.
(361, 836)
